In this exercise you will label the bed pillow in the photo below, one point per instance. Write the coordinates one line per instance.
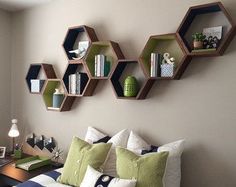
(95, 178)
(95, 136)
(119, 139)
(172, 175)
(147, 169)
(82, 154)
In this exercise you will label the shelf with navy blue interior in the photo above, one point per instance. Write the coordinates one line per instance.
(75, 35)
(119, 74)
(87, 85)
(206, 16)
(33, 75)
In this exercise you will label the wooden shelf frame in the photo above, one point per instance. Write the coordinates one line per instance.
(72, 68)
(34, 71)
(161, 44)
(47, 93)
(72, 36)
(189, 23)
(108, 48)
(117, 85)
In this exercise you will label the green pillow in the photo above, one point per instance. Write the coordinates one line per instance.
(82, 154)
(148, 169)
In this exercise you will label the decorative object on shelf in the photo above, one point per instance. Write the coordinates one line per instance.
(198, 39)
(57, 155)
(39, 142)
(31, 140)
(18, 151)
(2, 152)
(167, 66)
(13, 133)
(130, 86)
(58, 97)
(36, 85)
(49, 144)
(81, 51)
(213, 37)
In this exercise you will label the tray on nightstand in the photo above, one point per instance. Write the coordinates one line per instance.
(32, 162)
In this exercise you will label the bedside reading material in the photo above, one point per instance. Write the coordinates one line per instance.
(33, 162)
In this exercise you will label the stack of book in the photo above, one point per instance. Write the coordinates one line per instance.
(156, 60)
(77, 83)
(102, 66)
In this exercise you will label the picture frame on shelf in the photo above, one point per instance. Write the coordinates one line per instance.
(2, 152)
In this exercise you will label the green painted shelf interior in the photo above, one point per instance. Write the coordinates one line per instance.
(96, 48)
(51, 85)
(161, 44)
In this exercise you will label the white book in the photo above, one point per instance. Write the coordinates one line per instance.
(73, 84)
(95, 66)
(153, 64)
(98, 66)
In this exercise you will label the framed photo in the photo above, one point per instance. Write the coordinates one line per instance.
(2, 152)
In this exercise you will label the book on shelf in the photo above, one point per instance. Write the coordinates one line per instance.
(77, 83)
(156, 59)
(102, 66)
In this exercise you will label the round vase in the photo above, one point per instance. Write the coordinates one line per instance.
(130, 87)
(57, 98)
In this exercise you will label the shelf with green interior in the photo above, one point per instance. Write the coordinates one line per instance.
(101, 57)
(128, 80)
(49, 89)
(159, 45)
(77, 41)
(207, 17)
(36, 76)
(77, 82)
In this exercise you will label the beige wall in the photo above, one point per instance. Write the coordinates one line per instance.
(5, 75)
(200, 107)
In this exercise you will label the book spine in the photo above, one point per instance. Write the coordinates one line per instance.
(102, 65)
(152, 70)
(95, 66)
(77, 83)
(69, 84)
(158, 64)
(73, 84)
(98, 65)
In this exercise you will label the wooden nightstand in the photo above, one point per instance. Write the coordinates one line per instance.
(10, 176)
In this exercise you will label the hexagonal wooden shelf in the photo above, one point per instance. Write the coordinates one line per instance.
(167, 43)
(89, 86)
(73, 36)
(117, 79)
(108, 48)
(47, 93)
(34, 71)
(205, 16)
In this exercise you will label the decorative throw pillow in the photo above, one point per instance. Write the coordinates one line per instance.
(94, 178)
(119, 139)
(172, 175)
(95, 136)
(147, 169)
(82, 154)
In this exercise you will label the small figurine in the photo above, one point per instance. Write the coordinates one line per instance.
(167, 59)
(57, 155)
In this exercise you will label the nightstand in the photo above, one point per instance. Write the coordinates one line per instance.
(11, 176)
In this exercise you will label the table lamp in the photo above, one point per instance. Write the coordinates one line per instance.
(13, 133)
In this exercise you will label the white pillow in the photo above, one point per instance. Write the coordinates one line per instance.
(119, 139)
(94, 135)
(172, 175)
(92, 177)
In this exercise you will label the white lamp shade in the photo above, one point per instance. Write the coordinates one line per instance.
(14, 132)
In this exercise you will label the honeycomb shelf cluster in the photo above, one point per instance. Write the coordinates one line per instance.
(178, 43)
